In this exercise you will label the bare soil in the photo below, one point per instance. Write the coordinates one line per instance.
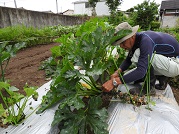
(24, 68)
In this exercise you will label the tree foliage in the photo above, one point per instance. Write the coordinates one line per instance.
(131, 10)
(113, 4)
(93, 4)
(115, 17)
(145, 13)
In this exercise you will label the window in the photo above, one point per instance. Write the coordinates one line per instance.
(87, 5)
(171, 11)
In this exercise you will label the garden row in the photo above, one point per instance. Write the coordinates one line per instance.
(78, 68)
(13, 39)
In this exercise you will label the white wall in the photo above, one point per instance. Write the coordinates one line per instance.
(101, 9)
(169, 21)
(68, 12)
(79, 8)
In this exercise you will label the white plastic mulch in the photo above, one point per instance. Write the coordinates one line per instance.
(123, 118)
(36, 123)
(163, 119)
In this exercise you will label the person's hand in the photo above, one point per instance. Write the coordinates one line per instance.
(116, 74)
(116, 81)
(110, 84)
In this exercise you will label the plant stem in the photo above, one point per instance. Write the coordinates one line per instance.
(92, 81)
(147, 79)
(21, 109)
(6, 64)
(91, 85)
(124, 82)
(2, 72)
(148, 82)
(3, 99)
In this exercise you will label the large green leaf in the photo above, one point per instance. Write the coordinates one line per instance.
(97, 116)
(80, 121)
(56, 51)
(91, 26)
(72, 101)
(4, 56)
(30, 91)
(3, 46)
(13, 88)
(97, 69)
(17, 97)
(64, 116)
(50, 99)
(12, 49)
(61, 89)
(4, 85)
(2, 110)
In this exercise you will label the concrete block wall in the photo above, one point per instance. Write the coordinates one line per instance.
(169, 21)
(13, 16)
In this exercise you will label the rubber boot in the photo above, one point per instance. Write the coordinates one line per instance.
(163, 81)
(144, 91)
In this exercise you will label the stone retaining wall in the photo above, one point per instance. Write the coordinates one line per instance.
(13, 16)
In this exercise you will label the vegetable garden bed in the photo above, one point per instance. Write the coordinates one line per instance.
(81, 107)
(34, 124)
(122, 117)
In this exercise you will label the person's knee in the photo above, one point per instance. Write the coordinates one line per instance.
(135, 56)
(165, 66)
(173, 68)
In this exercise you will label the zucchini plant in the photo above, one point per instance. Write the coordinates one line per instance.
(12, 112)
(12, 107)
(86, 62)
(7, 52)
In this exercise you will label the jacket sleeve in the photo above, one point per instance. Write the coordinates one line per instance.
(146, 50)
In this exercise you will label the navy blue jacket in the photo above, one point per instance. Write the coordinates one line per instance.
(149, 42)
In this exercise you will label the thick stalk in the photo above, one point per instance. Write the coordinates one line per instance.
(3, 99)
(6, 64)
(124, 82)
(92, 81)
(147, 79)
(2, 73)
(21, 109)
(121, 77)
(93, 88)
(148, 83)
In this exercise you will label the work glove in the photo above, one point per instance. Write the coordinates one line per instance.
(116, 74)
(111, 84)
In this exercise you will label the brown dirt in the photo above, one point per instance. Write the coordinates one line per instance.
(176, 94)
(24, 68)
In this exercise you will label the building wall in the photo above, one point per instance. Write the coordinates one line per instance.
(101, 9)
(13, 16)
(169, 21)
(79, 8)
(68, 12)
